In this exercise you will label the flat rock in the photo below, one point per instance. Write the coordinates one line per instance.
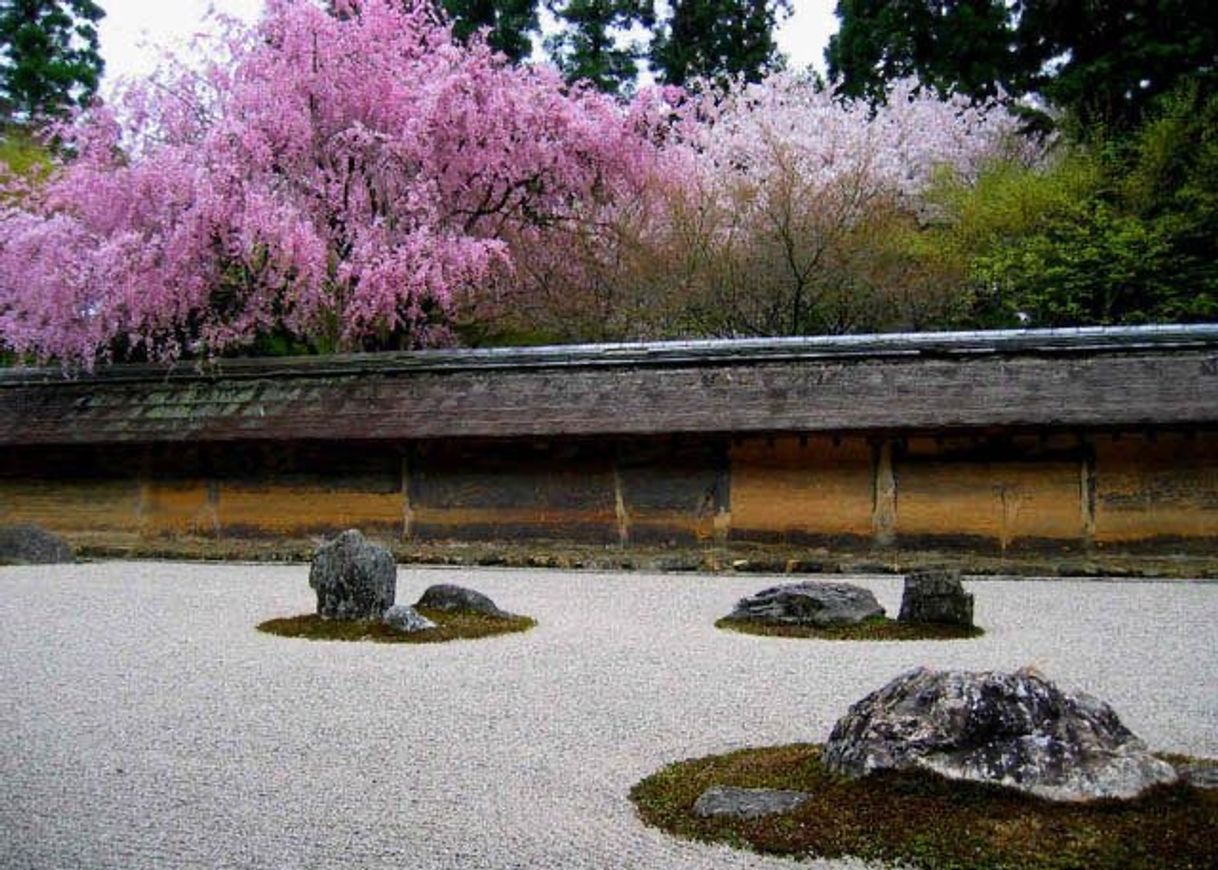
(1016, 730)
(450, 597)
(406, 619)
(353, 578)
(809, 603)
(747, 803)
(32, 545)
(936, 596)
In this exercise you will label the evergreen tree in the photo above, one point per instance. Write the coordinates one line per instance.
(591, 45)
(958, 46)
(511, 23)
(49, 58)
(1104, 61)
(718, 39)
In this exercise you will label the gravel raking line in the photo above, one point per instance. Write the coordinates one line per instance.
(146, 724)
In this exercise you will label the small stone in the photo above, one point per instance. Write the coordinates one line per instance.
(353, 578)
(936, 596)
(747, 803)
(1016, 730)
(450, 597)
(32, 545)
(407, 619)
(809, 603)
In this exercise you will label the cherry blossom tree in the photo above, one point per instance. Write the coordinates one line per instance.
(776, 208)
(345, 178)
(804, 207)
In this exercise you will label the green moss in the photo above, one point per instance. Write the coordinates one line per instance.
(456, 625)
(879, 628)
(922, 820)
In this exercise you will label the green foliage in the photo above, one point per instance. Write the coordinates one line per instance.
(588, 48)
(1105, 62)
(1118, 57)
(1119, 231)
(50, 60)
(511, 23)
(23, 155)
(959, 46)
(718, 39)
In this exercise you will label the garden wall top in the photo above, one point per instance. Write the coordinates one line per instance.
(1094, 377)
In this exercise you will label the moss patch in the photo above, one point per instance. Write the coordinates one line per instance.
(450, 625)
(923, 820)
(880, 628)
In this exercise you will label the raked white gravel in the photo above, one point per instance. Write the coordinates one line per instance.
(144, 723)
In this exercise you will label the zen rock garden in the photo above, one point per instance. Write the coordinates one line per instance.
(953, 768)
(934, 605)
(940, 767)
(355, 581)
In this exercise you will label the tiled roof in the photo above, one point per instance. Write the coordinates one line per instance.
(1059, 378)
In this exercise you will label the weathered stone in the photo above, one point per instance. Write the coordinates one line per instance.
(30, 544)
(406, 619)
(936, 596)
(747, 803)
(1016, 730)
(809, 603)
(448, 597)
(354, 578)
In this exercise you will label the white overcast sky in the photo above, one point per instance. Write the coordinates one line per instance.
(134, 32)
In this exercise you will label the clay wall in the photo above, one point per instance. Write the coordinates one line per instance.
(1138, 491)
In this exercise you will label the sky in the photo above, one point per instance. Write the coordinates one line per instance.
(134, 32)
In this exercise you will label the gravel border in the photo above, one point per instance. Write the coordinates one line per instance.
(146, 724)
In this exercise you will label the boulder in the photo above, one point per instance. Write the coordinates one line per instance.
(747, 803)
(353, 578)
(809, 603)
(28, 544)
(406, 619)
(449, 597)
(1016, 730)
(936, 596)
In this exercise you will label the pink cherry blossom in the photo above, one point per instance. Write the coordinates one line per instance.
(344, 177)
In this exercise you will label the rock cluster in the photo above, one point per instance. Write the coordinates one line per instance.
(353, 578)
(28, 544)
(1016, 730)
(933, 595)
(809, 603)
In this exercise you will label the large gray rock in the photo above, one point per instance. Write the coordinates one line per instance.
(28, 544)
(937, 596)
(449, 597)
(809, 603)
(747, 803)
(406, 619)
(1016, 730)
(354, 578)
